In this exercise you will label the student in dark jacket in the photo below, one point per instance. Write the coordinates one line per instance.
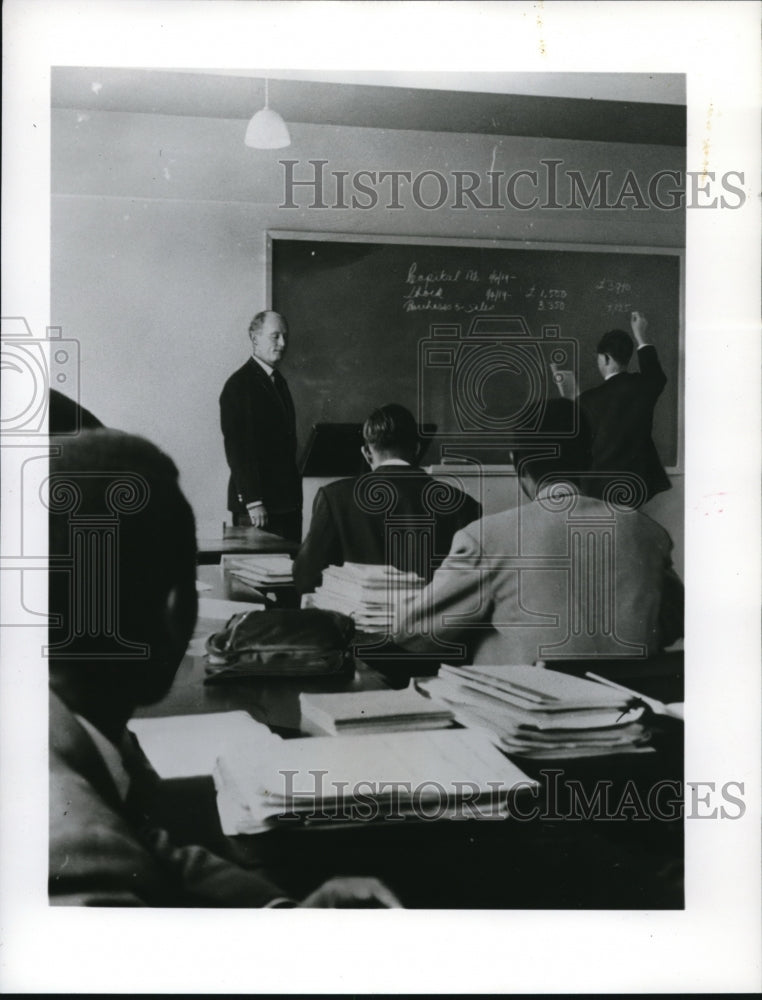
(395, 515)
(618, 416)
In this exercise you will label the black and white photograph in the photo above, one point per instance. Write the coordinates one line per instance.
(380, 443)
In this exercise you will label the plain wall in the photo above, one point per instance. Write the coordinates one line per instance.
(158, 255)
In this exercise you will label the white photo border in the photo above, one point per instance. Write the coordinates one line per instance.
(714, 943)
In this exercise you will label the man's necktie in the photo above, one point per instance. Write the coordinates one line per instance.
(281, 388)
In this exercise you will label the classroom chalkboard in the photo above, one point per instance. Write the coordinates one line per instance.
(463, 334)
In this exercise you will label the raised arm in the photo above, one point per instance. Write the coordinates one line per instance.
(648, 360)
(639, 325)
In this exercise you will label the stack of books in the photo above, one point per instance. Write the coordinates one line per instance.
(328, 782)
(260, 570)
(371, 712)
(543, 714)
(372, 595)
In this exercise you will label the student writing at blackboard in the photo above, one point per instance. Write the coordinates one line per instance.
(618, 415)
(396, 514)
(259, 429)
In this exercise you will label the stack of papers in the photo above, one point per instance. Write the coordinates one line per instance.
(372, 712)
(542, 714)
(186, 746)
(261, 570)
(322, 781)
(371, 595)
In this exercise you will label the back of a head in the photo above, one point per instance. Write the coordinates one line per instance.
(67, 416)
(557, 452)
(618, 345)
(121, 539)
(392, 430)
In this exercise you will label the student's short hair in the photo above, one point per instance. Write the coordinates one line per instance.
(257, 322)
(618, 345)
(101, 476)
(67, 416)
(559, 451)
(393, 429)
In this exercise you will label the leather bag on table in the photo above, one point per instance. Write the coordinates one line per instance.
(281, 643)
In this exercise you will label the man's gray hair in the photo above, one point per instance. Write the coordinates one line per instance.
(256, 324)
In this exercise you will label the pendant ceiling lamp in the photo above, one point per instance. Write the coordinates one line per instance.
(267, 130)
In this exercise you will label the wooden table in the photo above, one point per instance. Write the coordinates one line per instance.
(238, 540)
(553, 860)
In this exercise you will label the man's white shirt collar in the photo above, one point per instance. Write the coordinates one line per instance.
(267, 369)
(558, 488)
(393, 461)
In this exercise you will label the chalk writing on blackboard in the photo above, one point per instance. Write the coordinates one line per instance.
(359, 309)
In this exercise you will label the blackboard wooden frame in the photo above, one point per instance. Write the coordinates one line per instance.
(272, 236)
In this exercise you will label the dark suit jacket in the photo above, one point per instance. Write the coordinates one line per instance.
(100, 857)
(259, 429)
(357, 520)
(618, 416)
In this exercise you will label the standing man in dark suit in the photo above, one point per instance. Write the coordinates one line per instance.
(618, 416)
(395, 515)
(259, 429)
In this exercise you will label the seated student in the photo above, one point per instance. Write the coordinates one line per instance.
(66, 416)
(122, 618)
(564, 576)
(395, 515)
(618, 415)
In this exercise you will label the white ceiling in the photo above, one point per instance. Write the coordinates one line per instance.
(599, 107)
(650, 88)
